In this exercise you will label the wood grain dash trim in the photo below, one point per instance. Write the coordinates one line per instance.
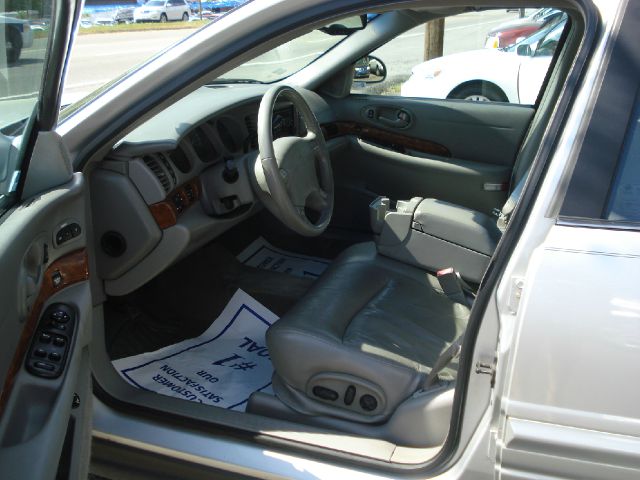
(393, 140)
(166, 212)
(73, 268)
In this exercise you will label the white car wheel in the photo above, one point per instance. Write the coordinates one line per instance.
(479, 92)
(477, 98)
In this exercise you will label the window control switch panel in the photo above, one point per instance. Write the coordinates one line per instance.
(51, 342)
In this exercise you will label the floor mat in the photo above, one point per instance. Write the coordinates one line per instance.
(261, 254)
(181, 302)
(221, 367)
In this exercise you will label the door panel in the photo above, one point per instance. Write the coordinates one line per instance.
(45, 300)
(371, 171)
(570, 399)
(461, 152)
(44, 266)
(476, 131)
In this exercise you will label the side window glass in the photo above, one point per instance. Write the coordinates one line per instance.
(24, 36)
(546, 47)
(624, 199)
(491, 56)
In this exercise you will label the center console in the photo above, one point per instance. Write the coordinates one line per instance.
(434, 234)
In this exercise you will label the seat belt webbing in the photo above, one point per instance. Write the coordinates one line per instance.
(505, 213)
(444, 359)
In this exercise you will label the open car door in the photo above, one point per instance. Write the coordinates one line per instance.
(45, 301)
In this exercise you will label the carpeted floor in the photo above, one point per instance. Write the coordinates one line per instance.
(183, 301)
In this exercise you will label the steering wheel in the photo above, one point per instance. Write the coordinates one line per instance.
(293, 174)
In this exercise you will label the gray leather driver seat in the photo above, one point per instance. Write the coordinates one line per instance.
(364, 337)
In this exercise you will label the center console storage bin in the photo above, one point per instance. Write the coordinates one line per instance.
(434, 234)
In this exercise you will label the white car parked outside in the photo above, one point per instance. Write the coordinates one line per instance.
(162, 11)
(18, 35)
(513, 74)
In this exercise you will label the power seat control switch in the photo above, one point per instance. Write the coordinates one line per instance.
(325, 393)
(52, 341)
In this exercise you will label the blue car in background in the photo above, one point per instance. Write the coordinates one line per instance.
(215, 7)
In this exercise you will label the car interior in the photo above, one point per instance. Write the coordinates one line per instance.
(405, 198)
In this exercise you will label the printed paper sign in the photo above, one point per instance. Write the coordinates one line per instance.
(221, 367)
(261, 254)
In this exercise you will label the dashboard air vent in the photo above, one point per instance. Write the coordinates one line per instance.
(154, 165)
(168, 165)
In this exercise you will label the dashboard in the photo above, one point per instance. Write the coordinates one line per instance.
(181, 179)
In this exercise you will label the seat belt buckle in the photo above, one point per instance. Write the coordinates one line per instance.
(452, 285)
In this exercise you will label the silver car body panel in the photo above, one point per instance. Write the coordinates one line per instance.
(567, 407)
(571, 406)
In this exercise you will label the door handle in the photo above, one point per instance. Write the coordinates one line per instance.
(402, 120)
(395, 123)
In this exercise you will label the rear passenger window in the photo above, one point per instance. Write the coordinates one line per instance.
(624, 199)
(490, 56)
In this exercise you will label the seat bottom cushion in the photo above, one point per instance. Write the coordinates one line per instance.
(369, 319)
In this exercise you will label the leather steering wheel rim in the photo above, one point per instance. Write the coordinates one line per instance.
(293, 174)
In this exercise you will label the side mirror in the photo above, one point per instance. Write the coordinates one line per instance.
(524, 50)
(546, 49)
(369, 69)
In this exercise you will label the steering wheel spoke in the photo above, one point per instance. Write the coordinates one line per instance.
(312, 140)
(301, 210)
(318, 200)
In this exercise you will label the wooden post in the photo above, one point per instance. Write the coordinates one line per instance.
(433, 39)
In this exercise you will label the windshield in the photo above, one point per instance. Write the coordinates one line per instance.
(285, 60)
(106, 50)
